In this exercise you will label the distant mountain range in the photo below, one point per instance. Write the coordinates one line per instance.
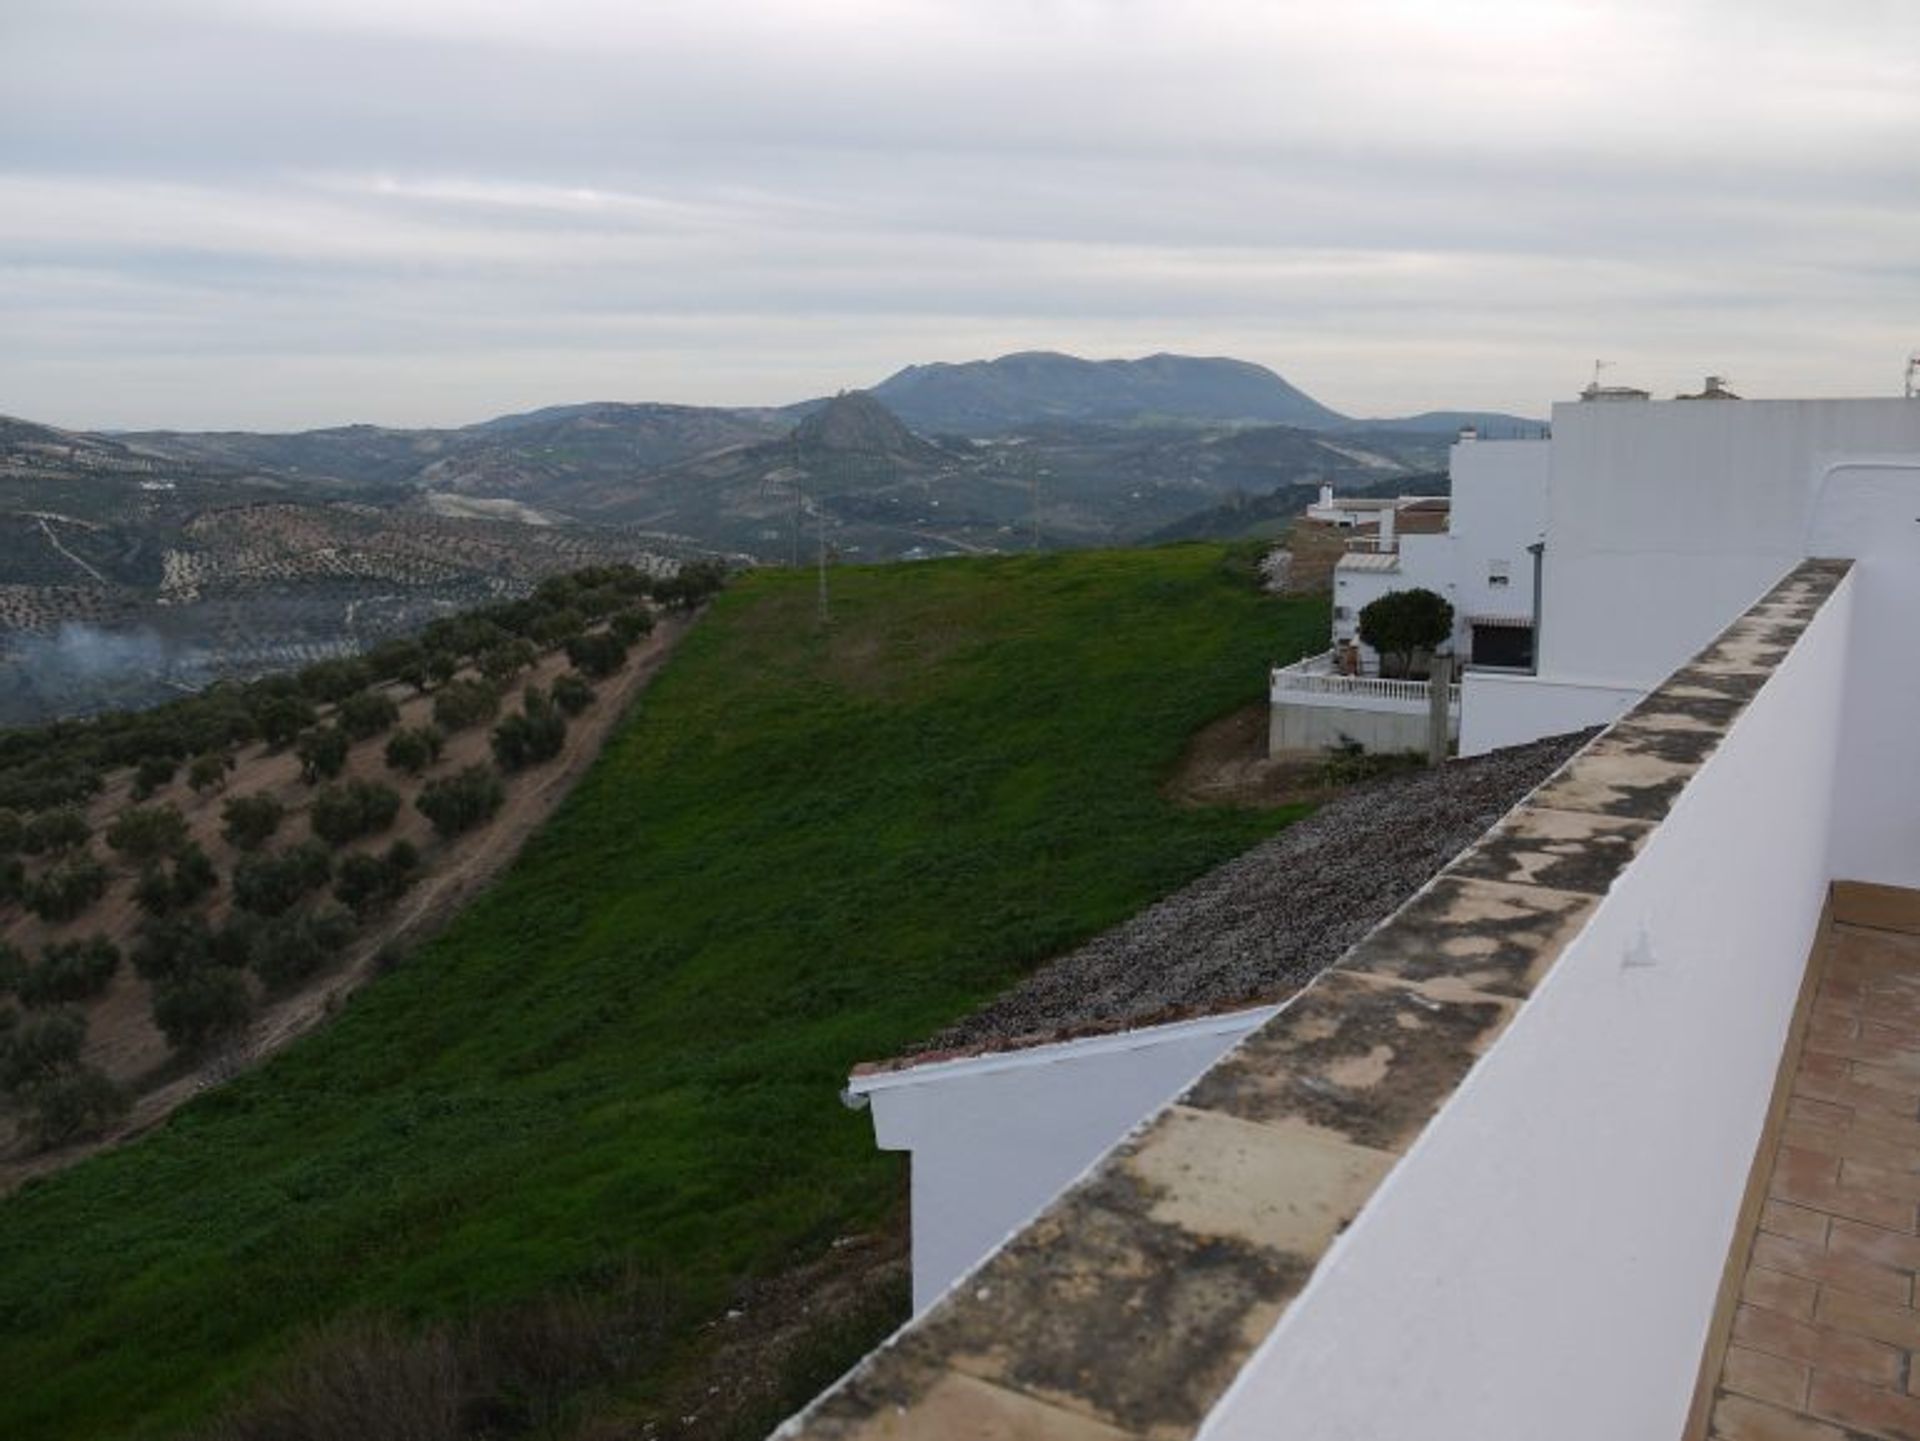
(245, 550)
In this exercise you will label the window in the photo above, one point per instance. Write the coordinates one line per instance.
(1341, 612)
(1498, 572)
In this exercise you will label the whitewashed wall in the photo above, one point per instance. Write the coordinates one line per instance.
(1498, 708)
(1870, 510)
(1499, 509)
(994, 1138)
(1563, 1222)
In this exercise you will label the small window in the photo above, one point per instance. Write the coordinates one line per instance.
(1341, 612)
(1498, 572)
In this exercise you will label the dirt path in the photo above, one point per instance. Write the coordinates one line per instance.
(121, 1037)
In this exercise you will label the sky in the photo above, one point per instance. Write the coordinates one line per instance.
(277, 214)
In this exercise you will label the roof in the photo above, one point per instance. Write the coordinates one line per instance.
(1261, 926)
(1369, 560)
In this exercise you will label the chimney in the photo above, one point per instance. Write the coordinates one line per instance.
(1387, 518)
(1326, 495)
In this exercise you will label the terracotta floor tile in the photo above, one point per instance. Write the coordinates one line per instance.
(1876, 1320)
(1871, 1243)
(1837, 1351)
(1740, 1418)
(1881, 1413)
(1773, 1291)
(1782, 1218)
(1766, 1378)
(1816, 1263)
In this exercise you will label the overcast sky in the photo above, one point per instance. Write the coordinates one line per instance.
(280, 213)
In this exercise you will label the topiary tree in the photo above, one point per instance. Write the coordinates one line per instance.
(248, 821)
(1403, 622)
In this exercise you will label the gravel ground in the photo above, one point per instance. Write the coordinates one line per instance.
(1264, 924)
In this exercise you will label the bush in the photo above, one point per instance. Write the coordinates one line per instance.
(67, 889)
(161, 889)
(335, 680)
(248, 821)
(599, 653)
(52, 832)
(632, 624)
(342, 813)
(269, 884)
(152, 773)
(39, 1046)
(392, 659)
(555, 626)
(322, 752)
(1402, 622)
(147, 832)
(79, 1102)
(13, 966)
(70, 971)
(281, 718)
(12, 828)
(368, 714)
(571, 692)
(535, 734)
(169, 948)
(365, 880)
(289, 949)
(413, 748)
(201, 1006)
(208, 771)
(464, 703)
(460, 802)
(501, 663)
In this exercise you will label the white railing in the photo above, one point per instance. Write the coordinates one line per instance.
(1372, 545)
(1316, 675)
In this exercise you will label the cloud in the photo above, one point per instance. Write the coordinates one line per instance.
(288, 212)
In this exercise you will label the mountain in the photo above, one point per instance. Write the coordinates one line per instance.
(987, 397)
(1492, 424)
(855, 423)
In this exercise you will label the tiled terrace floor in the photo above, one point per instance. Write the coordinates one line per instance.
(1824, 1341)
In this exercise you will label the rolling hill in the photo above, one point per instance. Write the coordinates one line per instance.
(615, 1076)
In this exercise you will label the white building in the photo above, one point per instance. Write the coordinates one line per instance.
(1609, 1131)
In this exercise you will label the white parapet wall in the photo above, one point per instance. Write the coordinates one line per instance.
(1501, 708)
(1546, 1258)
(995, 1137)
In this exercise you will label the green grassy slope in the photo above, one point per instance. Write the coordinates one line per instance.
(796, 853)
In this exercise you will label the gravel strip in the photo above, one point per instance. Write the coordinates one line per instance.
(1264, 924)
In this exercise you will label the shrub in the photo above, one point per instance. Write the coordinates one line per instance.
(599, 653)
(70, 971)
(52, 832)
(248, 821)
(555, 626)
(342, 813)
(501, 663)
(464, 703)
(13, 965)
(571, 692)
(335, 680)
(535, 734)
(152, 773)
(39, 1046)
(392, 659)
(460, 802)
(281, 718)
(13, 880)
(1402, 622)
(201, 1006)
(67, 889)
(365, 880)
(413, 748)
(268, 884)
(632, 624)
(322, 752)
(287, 950)
(208, 771)
(77, 1103)
(146, 832)
(169, 948)
(191, 876)
(12, 828)
(368, 714)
